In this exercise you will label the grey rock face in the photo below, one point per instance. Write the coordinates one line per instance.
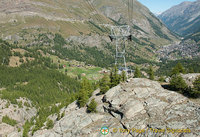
(13, 111)
(5, 129)
(189, 78)
(139, 107)
(89, 40)
(183, 18)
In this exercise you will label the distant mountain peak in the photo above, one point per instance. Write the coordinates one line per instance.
(186, 2)
(183, 18)
(157, 13)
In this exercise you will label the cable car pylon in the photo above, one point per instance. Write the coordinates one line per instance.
(121, 35)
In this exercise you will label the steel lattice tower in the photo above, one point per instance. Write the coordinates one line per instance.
(120, 34)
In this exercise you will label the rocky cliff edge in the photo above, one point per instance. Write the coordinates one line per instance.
(139, 107)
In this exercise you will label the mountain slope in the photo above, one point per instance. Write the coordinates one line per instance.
(65, 16)
(35, 22)
(54, 15)
(184, 18)
(140, 17)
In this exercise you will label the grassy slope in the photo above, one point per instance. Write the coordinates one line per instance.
(36, 80)
(78, 10)
(75, 68)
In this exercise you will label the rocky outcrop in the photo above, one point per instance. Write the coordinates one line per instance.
(139, 107)
(19, 113)
(190, 78)
(89, 40)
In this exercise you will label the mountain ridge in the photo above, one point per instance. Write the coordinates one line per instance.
(83, 28)
(183, 18)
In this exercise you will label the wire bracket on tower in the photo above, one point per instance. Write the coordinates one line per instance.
(120, 32)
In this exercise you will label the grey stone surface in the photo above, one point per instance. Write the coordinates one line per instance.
(13, 111)
(189, 78)
(138, 105)
(144, 106)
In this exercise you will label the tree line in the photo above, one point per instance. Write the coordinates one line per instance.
(177, 83)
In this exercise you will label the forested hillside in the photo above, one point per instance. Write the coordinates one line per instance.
(36, 80)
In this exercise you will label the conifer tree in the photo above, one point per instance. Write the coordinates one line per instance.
(83, 98)
(137, 73)
(104, 84)
(85, 92)
(196, 84)
(196, 87)
(114, 77)
(49, 124)
(162, 79)
(151, 73)
(178, 83)
(92, 106)
(111, 79)
(85, 84)
(123, 76)
(190, 70)
(178, 69)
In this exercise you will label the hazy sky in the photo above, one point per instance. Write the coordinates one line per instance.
(157, 6)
